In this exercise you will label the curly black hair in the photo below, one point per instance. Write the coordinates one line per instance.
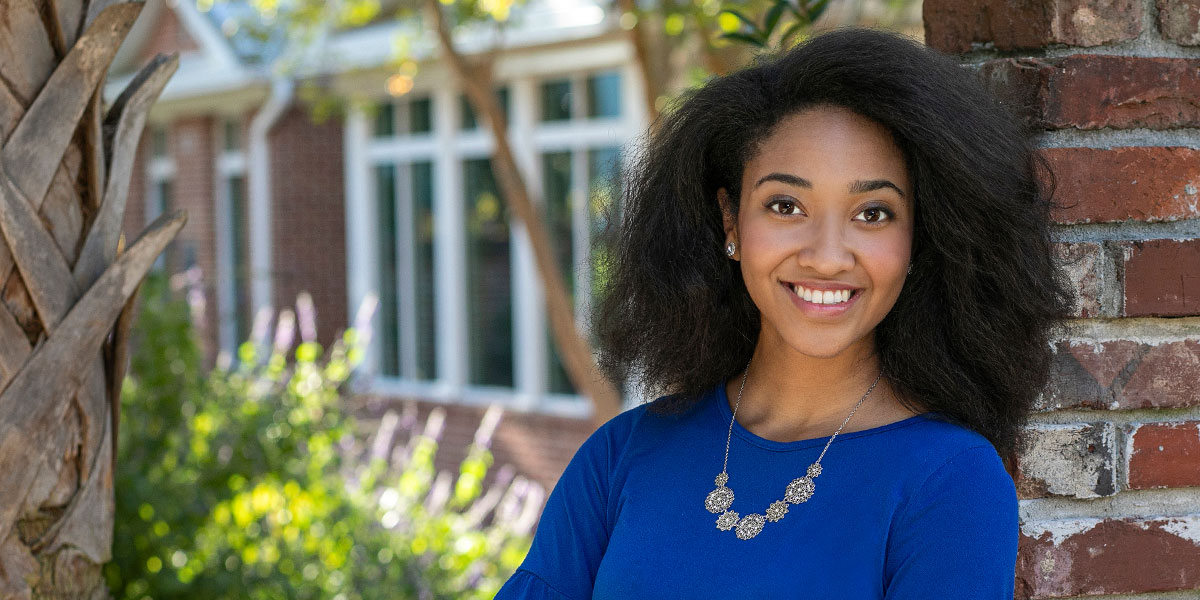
(969, 336)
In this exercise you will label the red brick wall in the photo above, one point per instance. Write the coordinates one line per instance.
(308, 214)
(1111, 463)
(192, 145)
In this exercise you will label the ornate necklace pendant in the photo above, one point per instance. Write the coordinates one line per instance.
(720, 499)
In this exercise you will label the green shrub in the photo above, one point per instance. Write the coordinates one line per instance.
(252, 481)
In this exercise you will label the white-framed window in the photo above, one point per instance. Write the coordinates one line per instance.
(160, 178)
(579, 161)
(461, 313)
(232, 235)
(401, 259)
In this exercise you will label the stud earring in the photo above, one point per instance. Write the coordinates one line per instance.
(730, 249)
(910, 268)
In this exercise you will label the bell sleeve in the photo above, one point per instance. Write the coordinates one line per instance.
(574, 528)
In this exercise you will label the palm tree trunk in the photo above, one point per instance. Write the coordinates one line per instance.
(66, 292)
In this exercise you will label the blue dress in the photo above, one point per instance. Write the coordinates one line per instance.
(916, 509)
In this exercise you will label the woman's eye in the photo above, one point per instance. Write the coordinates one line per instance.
(876, 214)
(782, 206)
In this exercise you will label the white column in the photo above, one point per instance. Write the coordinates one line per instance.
(529, 318)
(633, 107)
(361, 229)
(449, 250)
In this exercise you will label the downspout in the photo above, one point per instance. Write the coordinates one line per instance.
(259, 172)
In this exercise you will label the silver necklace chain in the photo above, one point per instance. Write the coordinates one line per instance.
(799, 490)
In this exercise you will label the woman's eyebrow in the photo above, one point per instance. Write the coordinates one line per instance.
(858, 187)
(870, 185)
(785, 178)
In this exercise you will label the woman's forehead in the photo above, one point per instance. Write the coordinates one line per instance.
(827, 146)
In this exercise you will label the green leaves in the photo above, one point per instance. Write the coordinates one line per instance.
(781, 22)
(253, 482)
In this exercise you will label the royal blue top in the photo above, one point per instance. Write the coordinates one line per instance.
(916, 509)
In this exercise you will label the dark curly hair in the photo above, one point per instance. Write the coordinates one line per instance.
(969, 336)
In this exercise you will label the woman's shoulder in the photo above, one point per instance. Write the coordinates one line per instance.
(942, 435)
(645, 424)
(950, 453)
(933, 446)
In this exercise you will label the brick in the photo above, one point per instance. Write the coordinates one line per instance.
(1162, 278)
(1093, 91)
(1179, 21)
(537, 445)
(193, 148)
(308, 217)
(1076, 557)
(1163, 455)
(1099, 185)
(1123, 375)
(1074, 460)
(1084, 264)
(957, 25)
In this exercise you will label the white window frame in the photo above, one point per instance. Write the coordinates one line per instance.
(447, 147)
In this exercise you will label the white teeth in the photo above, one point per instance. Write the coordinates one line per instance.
(821, 296)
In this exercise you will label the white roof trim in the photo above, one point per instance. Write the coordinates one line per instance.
(216, 68)
(547, 23)
(211, 41)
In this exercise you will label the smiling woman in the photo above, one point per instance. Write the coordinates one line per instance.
(838, 260)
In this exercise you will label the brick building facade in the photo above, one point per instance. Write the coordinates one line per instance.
(199, 154)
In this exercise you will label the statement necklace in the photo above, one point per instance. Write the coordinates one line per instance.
(799, 490)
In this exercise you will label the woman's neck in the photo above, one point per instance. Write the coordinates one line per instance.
(791, 396)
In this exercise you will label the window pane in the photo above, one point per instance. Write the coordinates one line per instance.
(556, 170)
(240, 257)
(422, 194)
(163, 203)
(489, 278)
(388, 326)
(158, 141)
(469, 120)
(385, 120)
(556, 100)
(232, 135)
(420, 116)
(604, 189)
(604, 95)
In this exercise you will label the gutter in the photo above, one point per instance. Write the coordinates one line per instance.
(258, 170)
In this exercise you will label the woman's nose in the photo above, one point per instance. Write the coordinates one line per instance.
(825, 249)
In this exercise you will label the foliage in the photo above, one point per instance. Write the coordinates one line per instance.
(801, 13)
(250, 481)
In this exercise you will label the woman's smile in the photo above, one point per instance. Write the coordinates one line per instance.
(824, 302)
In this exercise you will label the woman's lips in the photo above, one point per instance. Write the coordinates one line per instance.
(816, 310)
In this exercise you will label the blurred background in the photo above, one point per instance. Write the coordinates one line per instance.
(348, 377)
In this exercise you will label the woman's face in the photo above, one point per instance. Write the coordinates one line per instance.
(826, 212)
